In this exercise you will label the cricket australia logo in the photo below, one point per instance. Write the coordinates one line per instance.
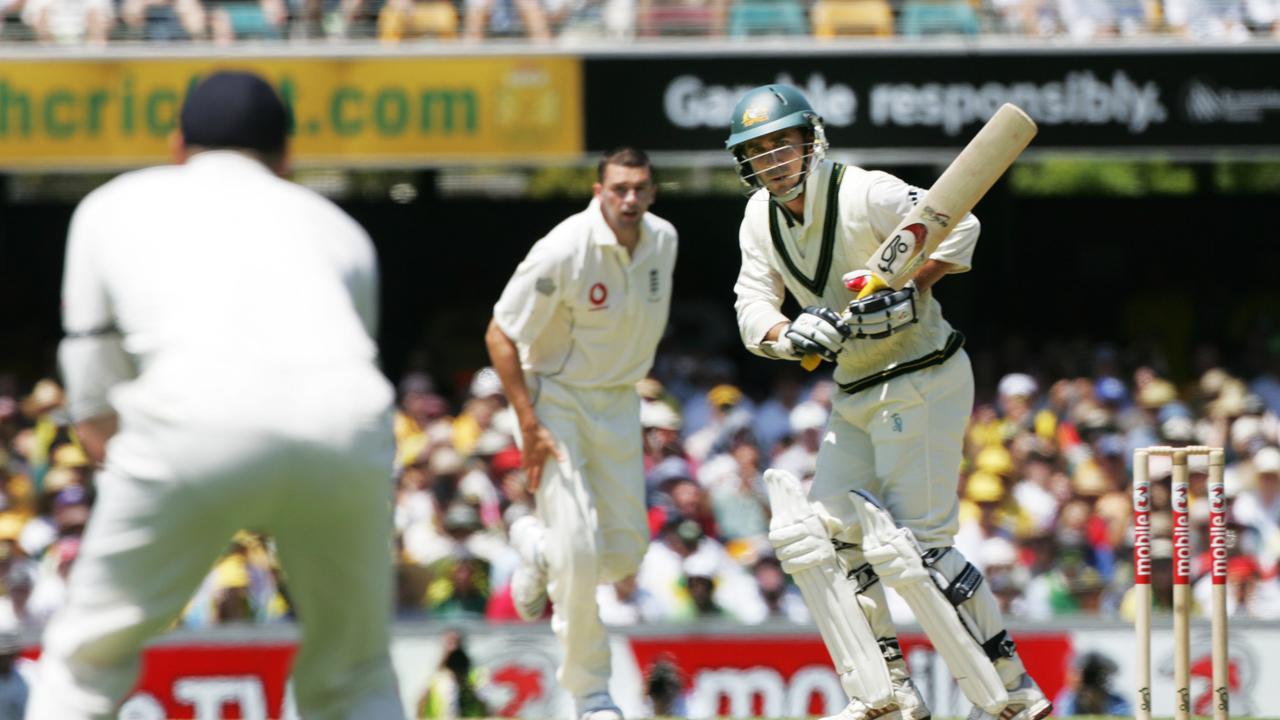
(754, 116)
(902, 247)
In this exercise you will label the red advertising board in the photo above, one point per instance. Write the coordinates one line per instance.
(791, 675)
(210, 681)
(762, 674)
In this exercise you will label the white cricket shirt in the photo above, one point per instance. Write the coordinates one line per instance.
(584, 312)
(870, 206)
(212, 268)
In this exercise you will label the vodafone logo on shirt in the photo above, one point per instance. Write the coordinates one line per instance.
(598, 295)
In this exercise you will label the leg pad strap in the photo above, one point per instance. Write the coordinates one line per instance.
(1000, 646)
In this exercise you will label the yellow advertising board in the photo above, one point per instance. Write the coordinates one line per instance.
(347, 111)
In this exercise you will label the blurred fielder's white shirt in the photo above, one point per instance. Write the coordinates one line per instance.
(584, 313)
(161, 255)
(871, 204)
(249, 396)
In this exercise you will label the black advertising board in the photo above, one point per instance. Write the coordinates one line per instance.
(1188, 99)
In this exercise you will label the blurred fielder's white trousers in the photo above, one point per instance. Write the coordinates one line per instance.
(307, 459)
(593, 509)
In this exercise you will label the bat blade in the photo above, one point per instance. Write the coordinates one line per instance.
(965, 181)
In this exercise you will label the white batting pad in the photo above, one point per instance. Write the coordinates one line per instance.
(833, 603)
(882, 540)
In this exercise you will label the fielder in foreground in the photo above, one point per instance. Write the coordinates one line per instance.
(882, 509)
(219, 362)
(574, 331)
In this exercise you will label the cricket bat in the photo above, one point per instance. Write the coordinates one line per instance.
(952, 196)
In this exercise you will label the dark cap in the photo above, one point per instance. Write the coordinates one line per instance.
(234, 109)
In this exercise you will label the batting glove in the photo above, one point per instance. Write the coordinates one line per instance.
(802, 545)
(817, 331)
(896, 559)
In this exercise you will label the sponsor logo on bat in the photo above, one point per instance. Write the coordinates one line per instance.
(936, 217)
(906, 242)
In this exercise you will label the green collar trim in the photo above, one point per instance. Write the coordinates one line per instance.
(816, 283)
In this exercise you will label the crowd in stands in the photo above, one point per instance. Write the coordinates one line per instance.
(1045, 497)
(98, 22)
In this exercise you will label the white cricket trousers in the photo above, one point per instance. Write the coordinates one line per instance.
(903, 441)
(306, 458)
(592, 507)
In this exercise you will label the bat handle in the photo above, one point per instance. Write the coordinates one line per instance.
(874, 284)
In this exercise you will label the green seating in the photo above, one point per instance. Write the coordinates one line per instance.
(767, 17)
(248, 21)
(933, 17)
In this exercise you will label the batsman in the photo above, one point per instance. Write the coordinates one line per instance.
(882, 509)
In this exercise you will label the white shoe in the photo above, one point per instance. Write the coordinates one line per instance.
(907, 704)
(1026, 702)
(529, 582)
(598, 706)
